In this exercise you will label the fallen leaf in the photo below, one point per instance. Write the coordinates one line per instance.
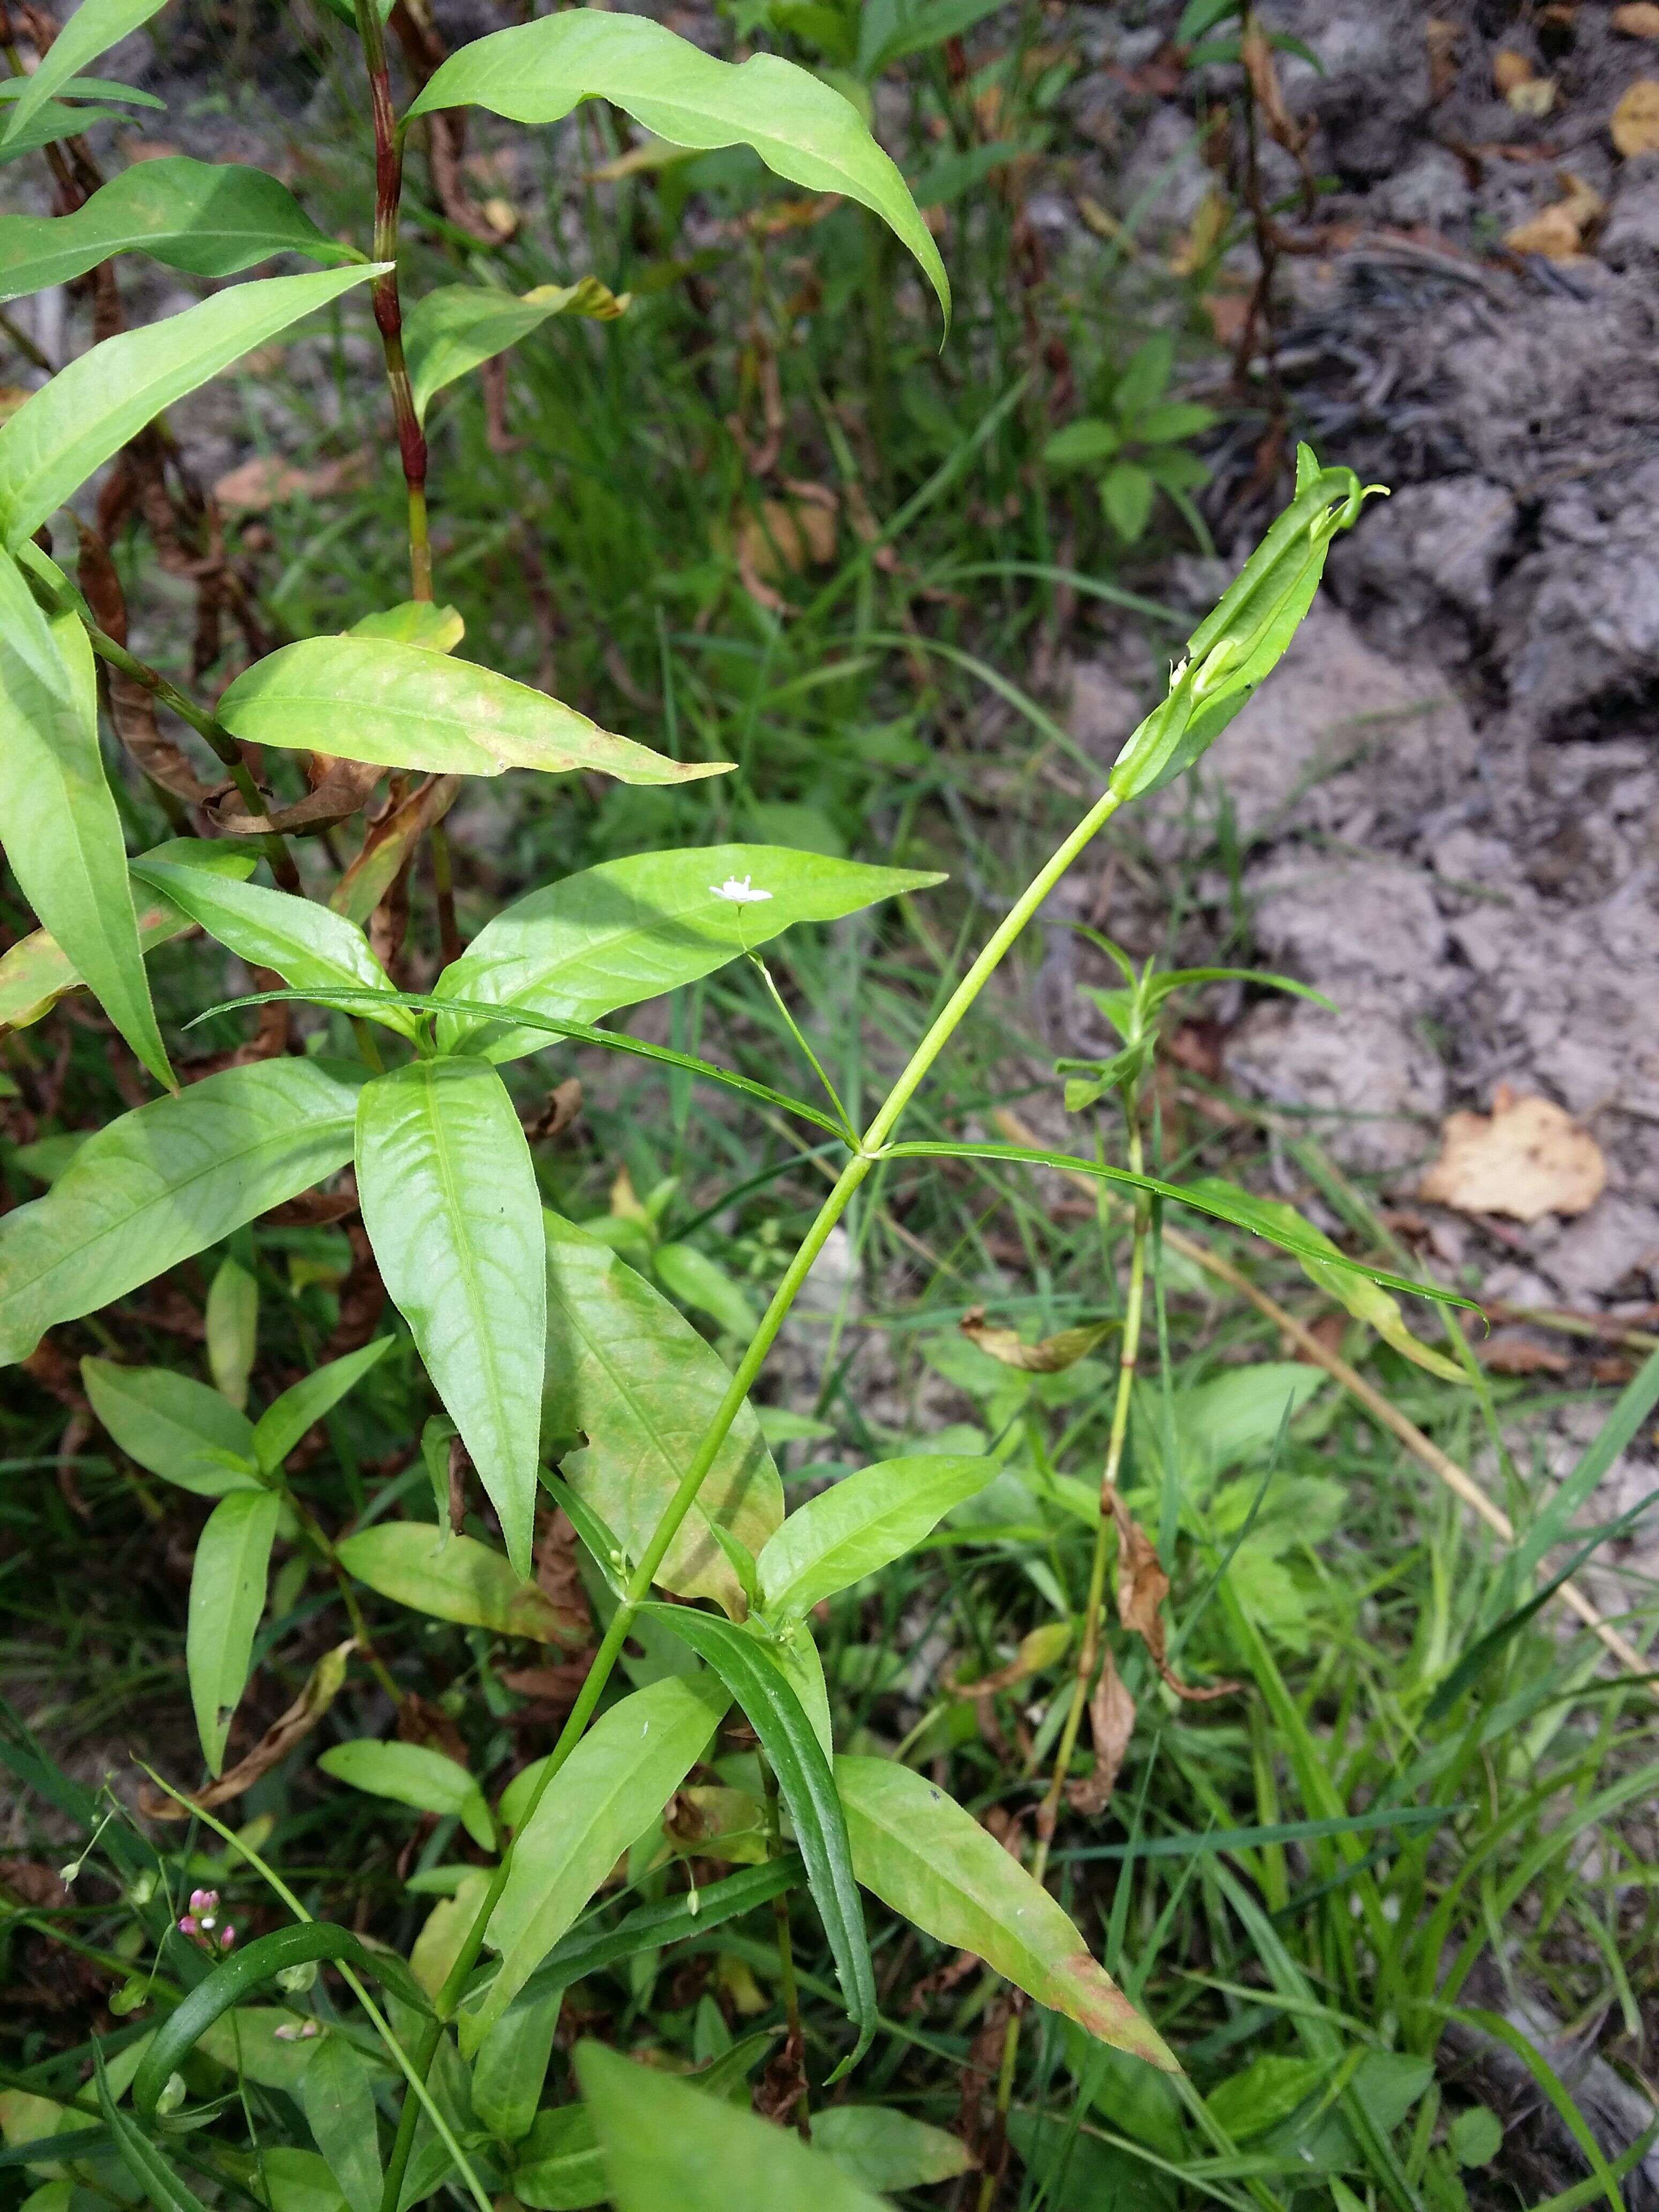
(1111, 1724)
(788, 535)
(1635, 124)
(1201, 240)
(1557, 232)
(269, 481)
(1441, 38)
(1639, 20)
(1509, 69)
(1534, 98)
(1051, 1356)
(1518, 1355)
(321, 1688)
(1526, 1158)
(502, 216)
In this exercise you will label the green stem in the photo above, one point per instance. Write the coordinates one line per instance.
(787, 1953)
(388, 306)
(273, 844)
(938, 1034)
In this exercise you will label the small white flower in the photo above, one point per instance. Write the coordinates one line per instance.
(739, 890)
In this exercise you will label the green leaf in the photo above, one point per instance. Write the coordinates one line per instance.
(175, 1426)
(138, 2154)
(1126, 493)
(808, 1789)
(231, 1319)
(1242, 640)
(36, 972)
(53, 122)
(89, 411)
(633, 928)
(1081, 444)
(510, 2070)
(208, 218)
(669, 2148)
(559, 2168)
(610, 1791)
(403, 706)
(1201, 15)
(451, 1205)
(412, 1774)
(1221, 1201)
(1178, 418)
(59, 820)
(337, 2099)
(703, 1283)
(886, 2149)
(861, 1525)
(924, 1855)
(1146, 375)
(538, 72)
(308, 944)
(454, 327)
(893, 32)
(160, 1184)
(414, 622)
(1365, 1300)
(304, 1403)
(451, 1577)
(1476, 2136)
(95, 25)
(227, 1597)
(86, 87)
(1268, 2090)
(629, 1373)
(245, 1970)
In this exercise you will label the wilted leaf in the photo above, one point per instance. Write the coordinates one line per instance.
(1526, 1158)
(1050, 1355)
(269, 481)
(1557, 232)
(1040, 1650)
(1640, 19)
(290, 1728)
(1111, 1724)
(1142, 1586)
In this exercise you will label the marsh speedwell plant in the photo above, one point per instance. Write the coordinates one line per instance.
(563, 1374)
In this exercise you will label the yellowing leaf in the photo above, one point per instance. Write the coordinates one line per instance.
(1635, 124)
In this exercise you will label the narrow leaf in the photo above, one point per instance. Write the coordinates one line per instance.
(412, 1774)
(207, 218)
(452, 1578)
(451, 1205)
(138, 2154)
(629, 1373)
(309, 945)
(337, 2099)
(403, 706)
(885, 2150)
(924, 1855)
(669, 2148)
(610, 1791)
(56, 120)
(560, 2169)
(156, 1186)
(304, 1403)
(231, 1319)
(454, 327)
(808, 1789)
(174, 1426)
(633, 928)
(227, 1597)
(59, 820)
(95, 25)
(538, 72)
(861, 1525)
(89, 411)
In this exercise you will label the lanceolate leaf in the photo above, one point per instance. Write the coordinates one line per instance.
(457, 1578)
(808, 1789)
(450, 1202)
(286, 1419)
(95, 25)
(227, 1596)
(88, 411)
(175, 1426)
(923, 1855)
(339, 2100)
(538, 72)
(860, 1524)
(413, 1774)
(157, 1185)
(309, 945)
(56, 120)
(670, 2147)
(403, 706)
(454, 327)
(209, 218)
(633, 928)
(37, 971)
(139, 2155)
(629, 1372)
(57, 818)
(609, 1792)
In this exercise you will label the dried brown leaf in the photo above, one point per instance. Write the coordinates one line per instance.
(1142, 1586)
(269, 481)
(1052, 1355)
(1526, 1158)
(322, 1686)
(1111, 1724)
(1638, 19)
(1635, 124)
